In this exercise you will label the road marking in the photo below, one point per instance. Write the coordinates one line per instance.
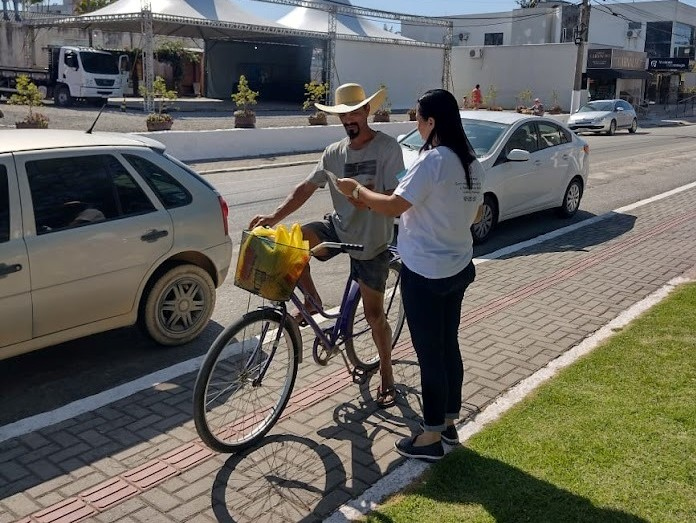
(81, 406)
(412, 469)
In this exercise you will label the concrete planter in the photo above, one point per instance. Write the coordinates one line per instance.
(30, 125)
(245, 121)
(317, 119)
(159, 126)
(380, 117)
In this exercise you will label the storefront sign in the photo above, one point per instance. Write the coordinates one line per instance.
(668, 64)
(616, 59)
(599, 59)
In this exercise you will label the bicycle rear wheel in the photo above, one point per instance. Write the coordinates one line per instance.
(360, 348)
(244, 382)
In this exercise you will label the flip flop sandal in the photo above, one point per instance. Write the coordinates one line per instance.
(386, 397)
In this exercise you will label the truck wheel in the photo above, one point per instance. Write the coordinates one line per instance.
(62, 97)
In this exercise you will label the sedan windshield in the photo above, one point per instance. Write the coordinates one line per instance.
(99, 63)
(482, 135)
(597, 106)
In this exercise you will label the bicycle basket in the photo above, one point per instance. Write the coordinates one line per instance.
(267, 268)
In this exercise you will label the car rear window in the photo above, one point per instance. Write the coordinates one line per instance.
(4, 206)
(169, 191)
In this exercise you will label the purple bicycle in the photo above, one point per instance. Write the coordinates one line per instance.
(248, 374)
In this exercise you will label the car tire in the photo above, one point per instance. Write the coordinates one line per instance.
(612, 128)
(571, 199)
(62, 96)
(634, 126)
(178, 305)
(481, 231)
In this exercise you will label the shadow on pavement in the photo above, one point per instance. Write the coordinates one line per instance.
(508, 494)
(284, 478)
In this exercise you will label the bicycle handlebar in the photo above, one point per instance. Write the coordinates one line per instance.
(336, 245)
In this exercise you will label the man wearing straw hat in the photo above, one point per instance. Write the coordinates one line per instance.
(373, 159)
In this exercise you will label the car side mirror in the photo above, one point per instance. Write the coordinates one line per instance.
(518, 155)
(619, 109)
(400, 137)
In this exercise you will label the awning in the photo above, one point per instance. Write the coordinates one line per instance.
(612, 74)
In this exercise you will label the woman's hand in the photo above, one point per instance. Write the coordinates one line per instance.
(346, 186)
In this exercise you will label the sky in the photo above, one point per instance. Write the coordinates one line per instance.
(415, 7)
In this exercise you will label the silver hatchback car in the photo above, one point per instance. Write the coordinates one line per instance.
(99, 231)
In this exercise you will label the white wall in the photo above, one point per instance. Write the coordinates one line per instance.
(475, 25)
(607, 30)
(512, 69)
(407, 71)
(191, 146)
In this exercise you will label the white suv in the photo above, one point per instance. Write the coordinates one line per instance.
(99, 231)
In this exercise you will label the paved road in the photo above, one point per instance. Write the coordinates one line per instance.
(137, 459)
(624, 169)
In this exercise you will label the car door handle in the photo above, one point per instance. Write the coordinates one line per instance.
(9, 269)
(153, 235)
(537, 162)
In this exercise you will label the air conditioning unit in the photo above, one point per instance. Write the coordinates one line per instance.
(633, 33)
(476, 53)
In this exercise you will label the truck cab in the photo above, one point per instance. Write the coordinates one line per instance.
(84, 73)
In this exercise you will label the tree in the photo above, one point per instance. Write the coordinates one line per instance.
(174, 53)
(87, 6)
(524, 4)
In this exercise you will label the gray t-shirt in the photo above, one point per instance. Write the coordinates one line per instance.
(374, 166)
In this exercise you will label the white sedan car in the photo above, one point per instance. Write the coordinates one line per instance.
(604, 116)
(532, 163)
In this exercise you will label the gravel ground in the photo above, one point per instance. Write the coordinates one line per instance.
(133, 120)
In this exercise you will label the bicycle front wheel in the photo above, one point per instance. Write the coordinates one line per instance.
(360, 348)
(245, 381)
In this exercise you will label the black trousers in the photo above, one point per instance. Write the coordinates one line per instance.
(433, 309)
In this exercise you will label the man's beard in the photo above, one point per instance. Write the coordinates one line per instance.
(352, 130)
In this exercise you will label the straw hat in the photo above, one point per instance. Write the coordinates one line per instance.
(350, 97)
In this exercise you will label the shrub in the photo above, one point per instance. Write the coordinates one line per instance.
(244, 98)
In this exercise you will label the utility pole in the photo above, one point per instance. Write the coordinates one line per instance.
(581, 41)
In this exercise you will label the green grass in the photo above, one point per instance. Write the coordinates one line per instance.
(611, 438)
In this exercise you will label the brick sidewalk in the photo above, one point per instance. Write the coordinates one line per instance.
(139, 459)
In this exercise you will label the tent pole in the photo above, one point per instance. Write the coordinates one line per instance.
(148, 56)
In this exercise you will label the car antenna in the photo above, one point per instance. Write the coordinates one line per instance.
(89, 131)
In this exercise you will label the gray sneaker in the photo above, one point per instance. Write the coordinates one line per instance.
(449, 435)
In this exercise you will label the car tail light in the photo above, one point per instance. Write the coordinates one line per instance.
(225, 213)
(586, 148)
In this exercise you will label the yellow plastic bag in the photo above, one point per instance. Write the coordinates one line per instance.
(271, 261)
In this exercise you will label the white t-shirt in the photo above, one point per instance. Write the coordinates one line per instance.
(434, 234)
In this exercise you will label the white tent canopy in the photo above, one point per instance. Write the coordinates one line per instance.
(213, 10)
(317, 20)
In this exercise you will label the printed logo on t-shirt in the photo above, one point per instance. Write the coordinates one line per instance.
(469, 195)
(366, 168)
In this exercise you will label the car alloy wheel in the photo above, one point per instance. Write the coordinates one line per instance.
(179, 305)
(571, 199)
(612, 128)
(482, 230)
(634, 126)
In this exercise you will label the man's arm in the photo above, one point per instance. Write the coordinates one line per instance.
(296, 199)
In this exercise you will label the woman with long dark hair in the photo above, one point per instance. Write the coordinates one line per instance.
(438, 199)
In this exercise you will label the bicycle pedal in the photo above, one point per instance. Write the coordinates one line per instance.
(359, 376)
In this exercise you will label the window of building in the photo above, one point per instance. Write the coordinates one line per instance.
(69, 192)
(170, 192)
(493, 39)
(4, 206)
(658, 39)
(683, 41)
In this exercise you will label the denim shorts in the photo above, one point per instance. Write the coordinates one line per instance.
(372, 273)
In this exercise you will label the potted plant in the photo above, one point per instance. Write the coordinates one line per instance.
(523, 99)
(244, 117)
(383, 112)
(159, 120)
(28, 94)
(315, 92)
(412, 114)
(555, 107)
(491, 96)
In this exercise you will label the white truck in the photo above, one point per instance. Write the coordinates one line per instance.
(73, 73)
